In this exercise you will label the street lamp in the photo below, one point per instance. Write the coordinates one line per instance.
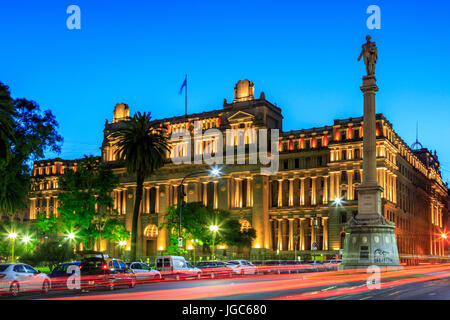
(215, 172)
(12, 236)
(444, 236)
(26, 240)
(338, 201)
(213, 229)
(71, 236)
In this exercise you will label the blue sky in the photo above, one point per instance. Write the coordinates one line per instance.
(302, 54)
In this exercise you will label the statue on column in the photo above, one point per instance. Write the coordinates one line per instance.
(370, 53)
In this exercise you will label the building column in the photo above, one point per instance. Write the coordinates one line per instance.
(350, 193)
(313, 190)
(291, 192)
(291, 234)
(279, 235)
(215, 194)
(47, 206)
(325, 233)
(313, 232)
(280, 193)
(302, 233)
(302, 191)
(325, 189)
(157, 208)
(332, 191)
(249, 192)
(33, 209)
(394, 188)
(338, 184)
(205, 193)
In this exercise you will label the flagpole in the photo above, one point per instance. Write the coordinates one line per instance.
(185, 98)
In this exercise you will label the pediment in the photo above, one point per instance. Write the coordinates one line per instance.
(240, 116)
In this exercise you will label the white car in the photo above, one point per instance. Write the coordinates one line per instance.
(241, 266)
(20, 277)
(144, 272)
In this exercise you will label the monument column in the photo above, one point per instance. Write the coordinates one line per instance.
(370, 238)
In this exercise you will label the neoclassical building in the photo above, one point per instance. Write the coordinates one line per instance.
(303, 207)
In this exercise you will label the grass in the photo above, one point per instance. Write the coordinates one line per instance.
(43, 269)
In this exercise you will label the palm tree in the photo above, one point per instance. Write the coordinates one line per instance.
(142, 147)
(6, 120)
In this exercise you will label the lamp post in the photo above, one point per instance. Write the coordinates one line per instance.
(215, 172)
(12, 236)
(214, 229)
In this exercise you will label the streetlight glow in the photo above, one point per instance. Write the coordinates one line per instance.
(213, 228)
(12, 235)
(444, 236)
(26, 239)
(122, 243)
(338, 201)
(71, 236)
(215, 172)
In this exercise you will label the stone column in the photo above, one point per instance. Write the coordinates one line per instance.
(249, 192)
(205, 193)
(291, 192)
(325, 189)
(313, 232)
(313, 190)
(325, 233)
(157, 208)
(302, 191)
(260, 211)
(279, 235)
(291, 234)
(302, 233)
(216, 183)
(280, 192)
(332, 193)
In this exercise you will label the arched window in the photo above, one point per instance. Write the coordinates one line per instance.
(151, 231)
(245, 225)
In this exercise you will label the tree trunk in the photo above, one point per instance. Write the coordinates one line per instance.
(137, 204)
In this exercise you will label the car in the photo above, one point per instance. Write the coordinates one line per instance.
(98, 270)
(215, 268)
(143, 271)
(242, 267)
(176, 267)
(20, 277)
(61, 273)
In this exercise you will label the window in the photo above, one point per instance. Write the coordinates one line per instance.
(286, 164)
(122, 265)
(116, 264)
(19, 268)
(319, 161)
(30, 269)
(159, 263)
(319, 143)
(307, 144)
(344, 154)
(297, 163)
(344, 135)
(356, 134)
(166, 262)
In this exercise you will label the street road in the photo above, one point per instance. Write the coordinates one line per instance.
(422, 282)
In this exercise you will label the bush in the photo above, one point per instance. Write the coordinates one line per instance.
(50, 254)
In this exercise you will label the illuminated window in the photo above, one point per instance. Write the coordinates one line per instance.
(151, 231)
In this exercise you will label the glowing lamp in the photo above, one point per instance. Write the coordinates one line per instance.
(12, 235)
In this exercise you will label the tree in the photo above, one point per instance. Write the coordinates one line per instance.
(33, 132)
(6, 120)
(86, 205)
(195, 223)
(50, 253)
(142, 148)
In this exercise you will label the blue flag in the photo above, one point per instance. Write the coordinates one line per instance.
(183, 85)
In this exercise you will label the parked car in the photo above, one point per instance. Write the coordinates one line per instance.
(242, 267)
(215, 268)
(143, 271)
(59, 275)
(20, 277)
(176, 267)
(99, 270)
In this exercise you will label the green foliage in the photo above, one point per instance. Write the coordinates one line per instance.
(86, 205)
(26, 133)
(50, 253)
(195, 222)
(20, 247)
(115, 231)
(46, 226)
(142, 147)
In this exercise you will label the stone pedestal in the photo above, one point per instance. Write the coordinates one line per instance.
(370, 238)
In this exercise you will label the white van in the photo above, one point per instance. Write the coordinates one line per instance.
(176, 267)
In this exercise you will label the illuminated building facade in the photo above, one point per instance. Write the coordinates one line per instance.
(303, 207)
